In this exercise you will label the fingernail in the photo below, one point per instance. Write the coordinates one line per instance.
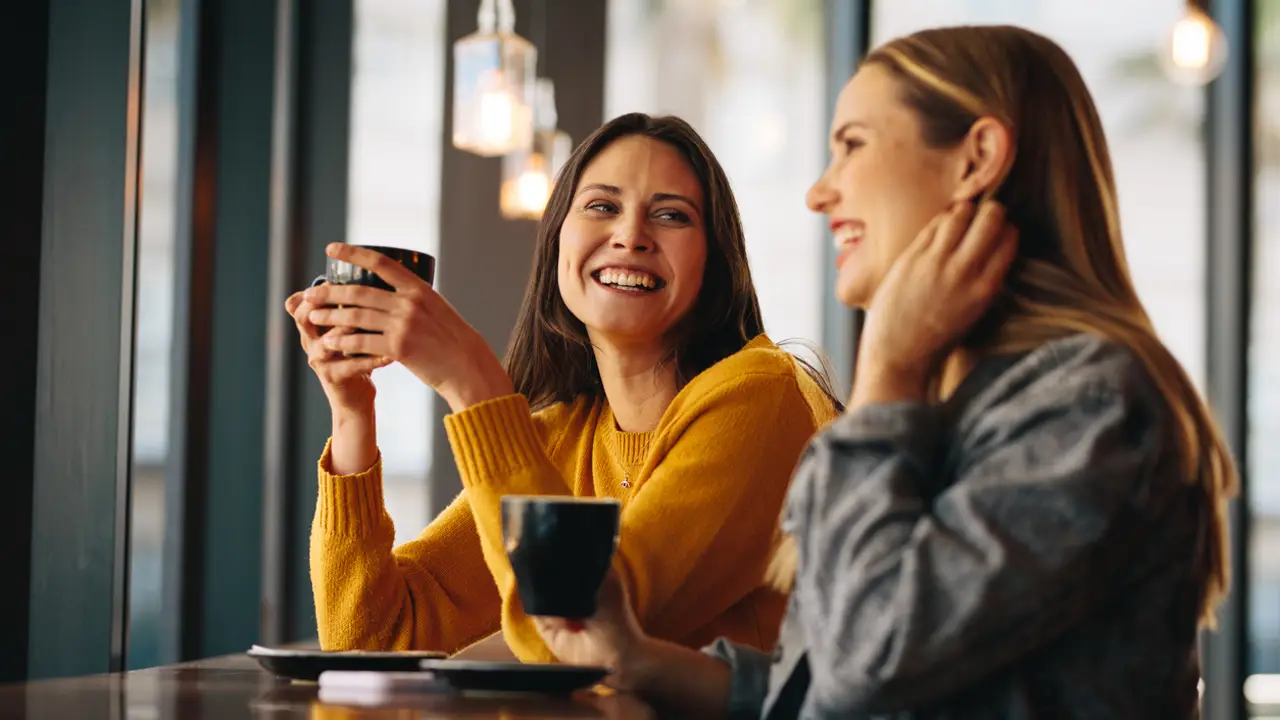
(332, 248)
(575, 626)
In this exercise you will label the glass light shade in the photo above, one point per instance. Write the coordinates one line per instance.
(528, 176)
(493, 93)
(526, 186)
(1196, 49)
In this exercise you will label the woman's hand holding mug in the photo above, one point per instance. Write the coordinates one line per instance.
(347, 381)
(412, 325)
(612, 638)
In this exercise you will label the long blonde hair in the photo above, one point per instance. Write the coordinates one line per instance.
(1071, 275)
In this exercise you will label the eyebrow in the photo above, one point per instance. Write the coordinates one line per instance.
(615, 191)
(838, 132)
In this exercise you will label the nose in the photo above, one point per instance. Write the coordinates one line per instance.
(821, 196)
(629, 234)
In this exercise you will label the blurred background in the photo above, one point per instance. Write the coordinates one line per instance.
(264, 130)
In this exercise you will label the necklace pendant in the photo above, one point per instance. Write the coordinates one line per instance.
(626, 481)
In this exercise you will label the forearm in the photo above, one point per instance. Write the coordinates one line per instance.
(678, 680)
(354, 445)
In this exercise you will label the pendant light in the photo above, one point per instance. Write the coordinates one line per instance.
(493, 84)
(529, 175)
(1196, 49)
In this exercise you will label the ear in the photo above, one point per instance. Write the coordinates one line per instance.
(987, 154)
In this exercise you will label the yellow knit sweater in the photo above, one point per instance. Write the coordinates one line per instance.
(698, 520)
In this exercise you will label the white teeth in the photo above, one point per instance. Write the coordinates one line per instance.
(627, 278)
(846, 235)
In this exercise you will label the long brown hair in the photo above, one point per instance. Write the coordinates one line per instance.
(1071, 274)
(550, 358)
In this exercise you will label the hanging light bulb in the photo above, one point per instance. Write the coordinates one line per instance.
(493, 82)
(526, 186)
(529, 175)
(1196, 49)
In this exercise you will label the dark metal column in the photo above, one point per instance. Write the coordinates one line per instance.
(283, 280)
(214, 510)
(1229, 176)
(24, 43)
(70, 163)
(848, 28)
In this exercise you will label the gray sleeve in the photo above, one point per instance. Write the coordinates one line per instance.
(749, 678)
(907, 594)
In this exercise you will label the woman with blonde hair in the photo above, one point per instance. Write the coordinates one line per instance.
(1021, 514)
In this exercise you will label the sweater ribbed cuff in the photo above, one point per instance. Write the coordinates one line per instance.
(349, 504)
(491, 439)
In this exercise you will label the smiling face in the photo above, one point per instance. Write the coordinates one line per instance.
(883, 185)
(633, 245)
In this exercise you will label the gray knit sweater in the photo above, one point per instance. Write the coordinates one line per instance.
(1025, 550)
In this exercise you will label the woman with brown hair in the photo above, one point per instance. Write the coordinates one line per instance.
(1021, 514)
(638, 370)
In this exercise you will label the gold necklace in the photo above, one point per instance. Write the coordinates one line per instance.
(626, 471)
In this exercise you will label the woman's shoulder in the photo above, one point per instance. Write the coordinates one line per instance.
(1079, 359)
(1080, 371)
(759, 356)
(754, 375)
(554, 419)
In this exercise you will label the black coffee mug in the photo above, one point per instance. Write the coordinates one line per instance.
(341, 272)
(560, 549)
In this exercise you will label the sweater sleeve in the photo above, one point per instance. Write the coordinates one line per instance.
(726, 462)
(432, 593)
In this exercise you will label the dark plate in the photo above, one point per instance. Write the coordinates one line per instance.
(474, 675)
(308, 664)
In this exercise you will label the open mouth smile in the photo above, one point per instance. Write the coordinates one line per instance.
(628, 280)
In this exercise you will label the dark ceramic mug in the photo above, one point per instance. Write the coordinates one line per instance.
(341, 272)
(561, 548)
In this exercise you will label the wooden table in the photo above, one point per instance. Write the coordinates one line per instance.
(235, 687)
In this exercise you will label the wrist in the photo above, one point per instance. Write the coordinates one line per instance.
(877, 381)
(353, 445)
(639, 666)
(353, 416)
(476, 390)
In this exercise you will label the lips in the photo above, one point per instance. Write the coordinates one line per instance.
(846, 233)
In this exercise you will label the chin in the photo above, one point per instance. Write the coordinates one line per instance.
(639, 333)
(853, 295)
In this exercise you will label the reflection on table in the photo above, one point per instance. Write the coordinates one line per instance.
(235, 687)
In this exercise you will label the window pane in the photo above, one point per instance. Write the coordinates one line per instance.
(1152, 130)
(154, 331)
(397, 107)
(749, 76)
(1264, 378)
